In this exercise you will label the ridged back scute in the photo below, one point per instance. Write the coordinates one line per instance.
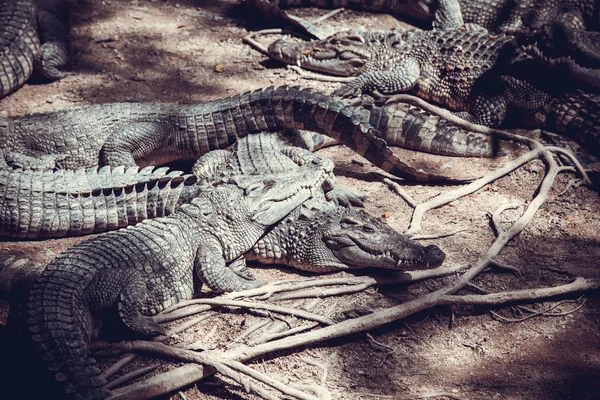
(41, 204)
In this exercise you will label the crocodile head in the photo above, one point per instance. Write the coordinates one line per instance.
(342, 54)
(326, 238)
(358, 240)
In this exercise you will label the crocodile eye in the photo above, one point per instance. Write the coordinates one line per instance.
(368, 228)
(254, 189)
(350, 221)
(268, 184)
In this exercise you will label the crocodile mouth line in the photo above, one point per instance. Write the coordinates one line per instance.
(391, 257)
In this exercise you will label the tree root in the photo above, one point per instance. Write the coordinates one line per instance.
(289, 335)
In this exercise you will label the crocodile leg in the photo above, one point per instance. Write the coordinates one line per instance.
(238, 266)
(130, 304)
(41, 162)
(338, 194)
(400, 79)
(211, 268)
(133, 141)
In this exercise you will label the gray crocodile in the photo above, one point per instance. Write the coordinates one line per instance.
(44, 203)
(34, 35)
(571, 51)
(320, 235)
(486, 77)
(143, 269)
(112, 134)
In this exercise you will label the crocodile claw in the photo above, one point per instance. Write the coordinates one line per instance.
(351, 89)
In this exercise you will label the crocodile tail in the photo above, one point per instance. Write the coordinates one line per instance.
(19, 43)
(412, 128)
(41, 204)
(298, 108)
(60, 325)
(577, 115)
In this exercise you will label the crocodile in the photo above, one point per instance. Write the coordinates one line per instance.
(487, 78)
(45, 203)
(443, 14)
(573, 53)
(528, 20)
(142, 134)
(145, 268)
(320, 235)
(34, 35)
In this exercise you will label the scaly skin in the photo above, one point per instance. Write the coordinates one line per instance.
(484, 76)
(321, 237)
(154, 268)
(47, 204)
(526, 19)
(38, 204)
(33, 35)
(141, 134)
(570, 52)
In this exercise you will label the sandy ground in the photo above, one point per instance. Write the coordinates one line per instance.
(191, 51)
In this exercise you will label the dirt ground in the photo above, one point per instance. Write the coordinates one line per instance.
(189, 51)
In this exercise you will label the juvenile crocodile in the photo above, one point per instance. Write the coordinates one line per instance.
(143, 269)
(43, 204)
(33, 36)
(485, 76)
(153, 134)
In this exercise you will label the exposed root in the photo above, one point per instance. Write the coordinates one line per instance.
(544, 313)
(130, 376)
(302, 327)
(328, 15)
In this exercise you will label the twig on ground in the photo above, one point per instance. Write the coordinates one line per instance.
(544, 313)
(250, 38)
(118, 365)
(319, 77)
(130, 376)
(330, 14)
(439, 235)
(495, 216)
(503, 266)
(400, 192)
